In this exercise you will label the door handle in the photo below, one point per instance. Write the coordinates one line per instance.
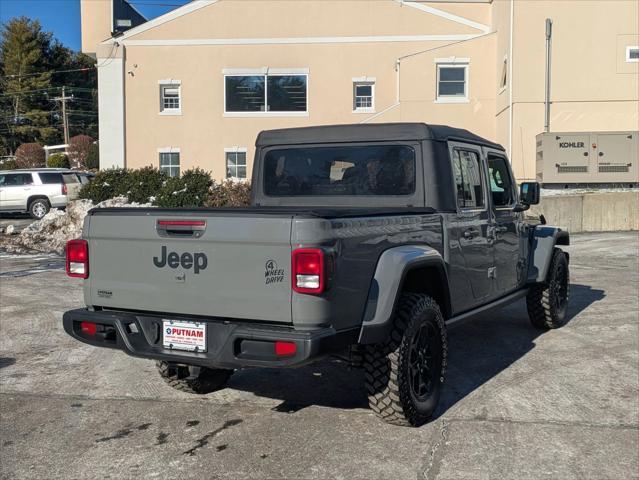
(470, 233)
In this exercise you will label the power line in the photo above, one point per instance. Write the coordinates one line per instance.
(52, 72)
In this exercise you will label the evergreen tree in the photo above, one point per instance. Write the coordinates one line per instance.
(33, 69)
(26, 110)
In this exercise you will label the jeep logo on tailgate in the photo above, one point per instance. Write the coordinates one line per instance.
(197, 261)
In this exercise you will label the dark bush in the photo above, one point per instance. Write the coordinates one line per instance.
(30, 155)
(143, 184)
(191, 189)
(58, 160)
(229, 194)
(106, 184)
(93, 157)
(79, 147)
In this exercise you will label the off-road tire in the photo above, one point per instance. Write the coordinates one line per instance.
(386, 366)
(547, 302)
(37, 207)
(179, 377)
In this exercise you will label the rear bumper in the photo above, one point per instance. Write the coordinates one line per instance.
(230, 344)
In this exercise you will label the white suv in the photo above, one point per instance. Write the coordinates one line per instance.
(36, 191)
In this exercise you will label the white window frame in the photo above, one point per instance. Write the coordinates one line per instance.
(628, 49)
(170, 83)
(265, 71)
(170, 150)
(364, 81)
(454, 62)
(236, 150)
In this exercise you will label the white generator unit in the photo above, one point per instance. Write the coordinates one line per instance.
(573, 159)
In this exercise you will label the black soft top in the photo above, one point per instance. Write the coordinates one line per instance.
(368, 133)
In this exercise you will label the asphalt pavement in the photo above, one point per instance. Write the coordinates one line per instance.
(518, 403)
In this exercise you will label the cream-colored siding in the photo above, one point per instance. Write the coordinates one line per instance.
(396, 43)
(96, 20)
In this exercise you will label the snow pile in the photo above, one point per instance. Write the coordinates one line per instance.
(553, 192)
(51, 233)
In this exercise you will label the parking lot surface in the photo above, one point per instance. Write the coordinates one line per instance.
(518, 403)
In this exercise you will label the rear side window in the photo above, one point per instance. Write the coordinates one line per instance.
(501, 183)
(50, 178)
(70, 178)
(16, 179)
(467, 172)
(368, 170)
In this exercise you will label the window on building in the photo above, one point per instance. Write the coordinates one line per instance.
(266, 93)
(452, 82)
(466, 169)
(632, 54)
(170, 163)
(501, 183)
(170, 98)
(236, 164)
(363, 96)
(503, 81)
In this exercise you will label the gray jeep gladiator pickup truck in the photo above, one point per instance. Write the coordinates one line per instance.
(366, 239)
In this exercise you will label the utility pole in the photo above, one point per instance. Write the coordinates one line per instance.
(65, 121)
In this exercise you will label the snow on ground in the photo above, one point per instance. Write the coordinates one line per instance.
(51, 233)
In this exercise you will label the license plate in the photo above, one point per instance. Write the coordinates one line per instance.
(189, 336)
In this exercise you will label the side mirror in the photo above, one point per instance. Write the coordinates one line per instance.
(529, 193)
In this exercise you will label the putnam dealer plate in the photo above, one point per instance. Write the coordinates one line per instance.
(188, 336)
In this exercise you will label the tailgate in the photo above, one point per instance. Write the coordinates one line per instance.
(214, 264)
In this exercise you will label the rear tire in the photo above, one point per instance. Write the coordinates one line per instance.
(405, 375)
(547, 302)
(187, 379)
(38, 208)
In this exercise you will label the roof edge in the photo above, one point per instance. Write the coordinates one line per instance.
(167, 17)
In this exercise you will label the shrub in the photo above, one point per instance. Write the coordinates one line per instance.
(106, 184)
(78, 150)
(30, 155)
(9, 164)
(93, 157)
(144, 183)
(191, 189)
(58, 160)
(229, 194)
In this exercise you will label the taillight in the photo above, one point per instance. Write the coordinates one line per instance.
(88, 328)
(285, 349)
(308, 270)
(78, 258)
(64, 189)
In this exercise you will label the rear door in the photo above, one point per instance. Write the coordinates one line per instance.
(230, 264)
(471, 225)
(73, 184)
(503, 233)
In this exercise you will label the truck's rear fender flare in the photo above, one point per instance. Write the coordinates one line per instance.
(397, 268)
(544, 239)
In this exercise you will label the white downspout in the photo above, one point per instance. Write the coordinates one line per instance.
(510, 82)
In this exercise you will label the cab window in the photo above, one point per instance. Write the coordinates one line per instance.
(467, 173)
(501, 183)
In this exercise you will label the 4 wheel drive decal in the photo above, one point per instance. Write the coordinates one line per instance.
(272, 274)
(197, 261)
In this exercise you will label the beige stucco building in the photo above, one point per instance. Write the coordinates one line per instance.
(194, 87)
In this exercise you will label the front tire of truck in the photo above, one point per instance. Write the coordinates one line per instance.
(547, 302)
(405, 375)
(192, 379)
